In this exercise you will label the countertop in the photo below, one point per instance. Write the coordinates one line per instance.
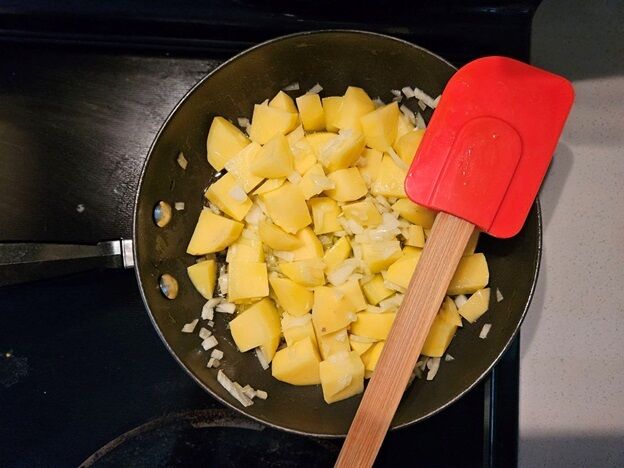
(572, 365)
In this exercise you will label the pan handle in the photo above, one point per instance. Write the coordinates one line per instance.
(23, 262)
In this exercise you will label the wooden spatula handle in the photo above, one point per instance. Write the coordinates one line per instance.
(439, 259)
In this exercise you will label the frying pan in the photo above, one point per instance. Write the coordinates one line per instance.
(335, 59)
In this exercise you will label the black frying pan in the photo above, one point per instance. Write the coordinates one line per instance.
(335, 59)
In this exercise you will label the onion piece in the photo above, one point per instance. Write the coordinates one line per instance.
(460, 300)
(341, 273)
(422, 105)
(238, 194)
(190, 327)
(317, 88)
(233, 388)
(378, 103)
(485, 330)
(499, 295)
(262, 394)
(249, 391)
(292, 87)
(182, 161)
(179, 205)
(448, 357)
(433, 364)
(209, 343)
(204, 333)
(424, 97)
(226, 308)
(244, 122)
(420, 122)
(264, 362)
(409, 93)
(407, 112)
(210, 323)
(397, 159)
(223, 282)
(396, 92)
(217, 354)
(436, 101)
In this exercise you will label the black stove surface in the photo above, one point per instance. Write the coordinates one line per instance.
(83, 375)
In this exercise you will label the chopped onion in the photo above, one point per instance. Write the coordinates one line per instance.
(211, 362)
(204, 333)
(223, 283)
(290, 321)
(499, 295)
(179, 206)
(460, 300)
(262, 394)
(249, 391)
(209, 343)
(397, 159)
(342, 336)
(396, 92)
(407, 112)
(485, 330)
(395, 287)
(433, 364)
(210, 323)
(254, 215)
(226, 308)
(238, 194)
(208, 308)
(190, 327)
(422, 105)
(317, 88)
(285, 255)
(182, 161)
(244, 122)
(393, 302)
(424, 97)
(264, 362)
(409, 93)
(294, 177)
(292, 87)
(233, 388)
(341, 273)
(448, 357)
(378, 102)
(217, 354)
(436, 101)
(212, 207)
(420, 122)
(351, 226)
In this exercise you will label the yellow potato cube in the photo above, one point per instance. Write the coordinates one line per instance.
(337, 253)
(408, 250)
(331, 310)
(284, 102)
(308, 273)
(248, 248)
(408, 144)
(276, 238)
(246, 281)
(476, 306)
(390, 180)
(269, 185)
(415, 236)
(223, 142)
(259, 325)
(403, 126)
(364, 213)
(298, 328)
(287, 207)
(448, 312)
(375, 290)
(325, 212)
(369, 165)
(314, 181)
(343, 151)
(274, 160)
(471, 275)
(239, 166)
(333, 343)
(301, 149)
(331, 108)
(380, 255)
(311, 246)
(349, 185)
(297, 364)
(439, 337)
(229, 197)
(342, 376)
(414, 213)
(292, 297)
(355, 104)
(370, 357)
(270, 121)
(311, 112)
(320, 140)
(353, 293)
(472, 243)
(401, 271)
(372, 325)
(380, 126)
(360, 347)
(213, 233)
(203, 276)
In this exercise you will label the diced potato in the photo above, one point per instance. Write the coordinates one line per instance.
(276, 238)
(472, 243)
(359, 347)
(364, 213)
(375, 290)
(414, 213)
(325, 212)
(408, 250)
(223, 142)
(319, 140)
(343, 151)
(287, 207)
(301, 149)
(471, 275)
(349, 185)
(370, 357)
(259, 325)
(408, 144)
(380, 126)
(284, 102)
(476, 306)
(333, 343)
(246, 249)
(371, 325)
(355, 104)
(311, 112)
(297, 364)
(331, 310)
(337, 253)
(239, 166)
(229, 197)
(292, 297)
(274, 160)
(203, 276)
(448, 312)
(390, 180)
(297, 328)
(415, 236)
(331, 108)
(380, 255)
(342, 376)
(308, 273)
(369, 165)
(439, 337)
(213, 233)
(270, 121)
(401, 271)
(246, 281)
(353, 292)
(269, 185)
(403, 126)
(311, 246)
(314, 181)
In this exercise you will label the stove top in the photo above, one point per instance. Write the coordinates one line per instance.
(83, 375)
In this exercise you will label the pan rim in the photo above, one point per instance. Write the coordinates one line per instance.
(137, 268)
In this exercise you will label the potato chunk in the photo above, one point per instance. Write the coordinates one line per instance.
(311, 246)
(476, 306)
(240, 164)
(390, 180)
(380, 255)
(353, 293)
(311, 112)
(229, 197)
(375, 290)
(370, 357)
(284, 102)
(342, 376)
(292, 297)
(270, 121)
(287, 208)
(369, 165)
(325, 212)
(343, 151)
(333, 343)
(297, 364)
(408, 144)
(337, 253)
(380, 126)
(275, 160)
(276, 238)
(297, 328)
(439, 337)
(372, 325)
(414, 213)
(471, 275)
(213, 233)
(223, 142)
(401, 271)
(308, 273)
(331, 310)
(355, 104)
(258, 326)
(331, 108)
(203, 276)
(246, 281)
(364, 213)
(349, 185)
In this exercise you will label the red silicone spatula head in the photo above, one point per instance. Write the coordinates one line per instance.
(489, 143)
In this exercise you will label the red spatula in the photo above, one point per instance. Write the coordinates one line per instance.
(480, 163)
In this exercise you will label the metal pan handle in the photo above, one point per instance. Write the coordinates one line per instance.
(23, 262)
